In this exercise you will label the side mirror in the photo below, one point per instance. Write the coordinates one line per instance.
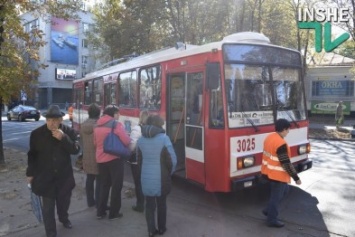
(213, 76)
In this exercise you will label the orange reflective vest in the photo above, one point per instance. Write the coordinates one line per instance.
(70, 112)
(271, 165)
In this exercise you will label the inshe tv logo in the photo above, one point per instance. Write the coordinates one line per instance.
(313, 18)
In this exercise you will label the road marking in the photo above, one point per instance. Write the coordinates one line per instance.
(16, 133)
(11, 139)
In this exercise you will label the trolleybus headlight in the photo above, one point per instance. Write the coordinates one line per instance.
(302, 149)
(245, 162)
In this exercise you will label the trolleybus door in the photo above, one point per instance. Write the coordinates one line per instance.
(194, 131)
(175, 122)
(185, 123)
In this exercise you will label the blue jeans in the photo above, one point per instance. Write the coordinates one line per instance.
(278, 191)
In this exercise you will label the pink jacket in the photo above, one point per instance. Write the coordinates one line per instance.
(102, 129)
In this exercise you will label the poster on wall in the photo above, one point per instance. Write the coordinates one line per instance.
(326, 107)
(64, 41)
(65, 74)
(332, 88)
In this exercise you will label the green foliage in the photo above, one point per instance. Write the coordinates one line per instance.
(347, 49)
(127, 26)
(19, 49)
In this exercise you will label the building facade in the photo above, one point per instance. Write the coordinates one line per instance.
(66, 55)
(329, 80)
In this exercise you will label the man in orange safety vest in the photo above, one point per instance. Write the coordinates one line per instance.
(277, 167)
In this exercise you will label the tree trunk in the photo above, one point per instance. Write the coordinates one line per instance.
(2, 157)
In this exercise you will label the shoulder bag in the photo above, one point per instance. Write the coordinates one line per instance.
(114, 146)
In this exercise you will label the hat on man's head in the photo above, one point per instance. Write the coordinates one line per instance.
(53, 112)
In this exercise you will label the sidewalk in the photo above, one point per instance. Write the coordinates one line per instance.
(184, 218)
(17, 219)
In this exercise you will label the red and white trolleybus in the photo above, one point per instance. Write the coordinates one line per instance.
(219, 102)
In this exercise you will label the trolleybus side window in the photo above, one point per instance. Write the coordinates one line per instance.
(110, 95)
(150, 88)
(194, 110)
(110, 84)
(98, 89)
(88, 93)
(194, 99)
(78, 97)
(128, 89)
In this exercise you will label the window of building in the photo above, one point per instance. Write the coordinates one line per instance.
(150, 87)
(128, 89)
(34, 24)
(86, 27)
(85, 43)
(84, 61)
(28, 27)
(85, 6)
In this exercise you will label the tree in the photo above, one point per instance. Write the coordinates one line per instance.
(127, 26)
(19, 49)
(347, 49)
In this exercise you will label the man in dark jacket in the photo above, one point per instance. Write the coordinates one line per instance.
(49, 170)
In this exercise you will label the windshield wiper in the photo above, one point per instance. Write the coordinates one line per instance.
(294, 121)
(249, 120)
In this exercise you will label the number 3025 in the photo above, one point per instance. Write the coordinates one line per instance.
(246, 144)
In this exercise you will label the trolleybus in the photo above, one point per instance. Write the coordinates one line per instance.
(219, 102)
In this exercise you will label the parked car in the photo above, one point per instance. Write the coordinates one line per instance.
(23, 112)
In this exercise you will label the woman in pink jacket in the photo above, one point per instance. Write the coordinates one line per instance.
(110, 167)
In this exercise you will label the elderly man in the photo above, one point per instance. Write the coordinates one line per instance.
(50, 170)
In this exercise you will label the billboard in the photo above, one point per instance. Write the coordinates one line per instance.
(64, 45)
(65, 74)
(326, 107)
(332, 88)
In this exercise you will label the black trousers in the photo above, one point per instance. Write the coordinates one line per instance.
(62, 201)
(136, 173)
(153, 203)
(92, 187)
(111, 178)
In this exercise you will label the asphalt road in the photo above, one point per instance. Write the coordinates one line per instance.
(322, 206)
(16, 134)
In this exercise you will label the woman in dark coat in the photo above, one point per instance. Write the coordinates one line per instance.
(50, 170)
(92, 185)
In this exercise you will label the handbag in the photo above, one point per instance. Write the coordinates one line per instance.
(36, 204)
(114, 146)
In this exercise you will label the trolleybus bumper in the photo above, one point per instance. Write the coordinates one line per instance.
(259, 179)
(304, 165)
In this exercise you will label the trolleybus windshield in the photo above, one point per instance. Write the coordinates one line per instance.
(254, 89)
